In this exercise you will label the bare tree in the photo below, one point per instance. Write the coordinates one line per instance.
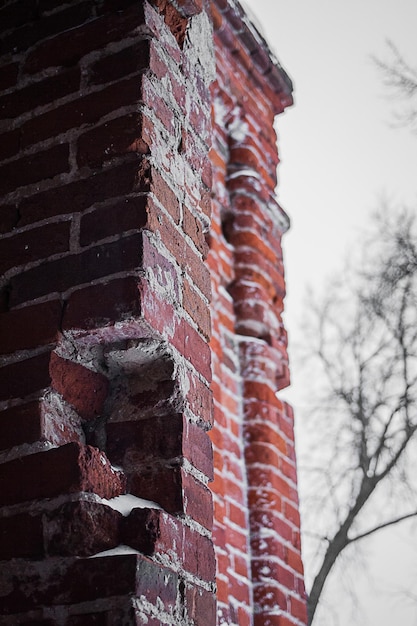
(363, 350)
(401, 79)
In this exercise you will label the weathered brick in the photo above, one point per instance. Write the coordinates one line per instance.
(67, 469)
(70, 581)
(81, 387)
(9, 143)
(199, 555)
(201, 606)
(81, 529)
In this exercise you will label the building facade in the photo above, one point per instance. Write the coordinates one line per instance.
(147, 465)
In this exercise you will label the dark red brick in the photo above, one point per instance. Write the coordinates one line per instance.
(8, 75)
(21, 424)
(122, 63)
(9, 143)
(23, 248)
(111, 139)
(34, 168)
(141, 529)
(68, 47)
(32, 326)
(76, 196)
(137, 443)
(29, 33)
(88, 109)
(21, 536)
(9, 217)
(116, 218)
(76, 269)
(40, 93)
(160, 484)
(23, 378)
(103, 304)
(198, 501)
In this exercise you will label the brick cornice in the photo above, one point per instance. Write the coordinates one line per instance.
(237, 32)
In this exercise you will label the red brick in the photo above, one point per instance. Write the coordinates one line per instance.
(77, 269)
(67, 469)
(193, 227)
(199, 555)
(194, 348)
(198, 502)
(201, 606)
(141, 529)
(32, 326)
(197, 449)
(164, 194)
(269, 597)
(34, 168)
(200, 399)
(81, 387)
(23, 378)
(29, 246)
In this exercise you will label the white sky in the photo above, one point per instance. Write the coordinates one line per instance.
(339, 154)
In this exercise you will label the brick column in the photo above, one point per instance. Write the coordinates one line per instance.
(105, 399)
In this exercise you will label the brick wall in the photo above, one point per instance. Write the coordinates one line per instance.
(257, 525)
(108, 261)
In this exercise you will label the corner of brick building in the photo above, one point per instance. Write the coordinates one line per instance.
(141, 297)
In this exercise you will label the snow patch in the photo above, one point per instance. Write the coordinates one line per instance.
(126, 503)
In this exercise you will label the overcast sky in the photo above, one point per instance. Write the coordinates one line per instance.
(339, 155)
